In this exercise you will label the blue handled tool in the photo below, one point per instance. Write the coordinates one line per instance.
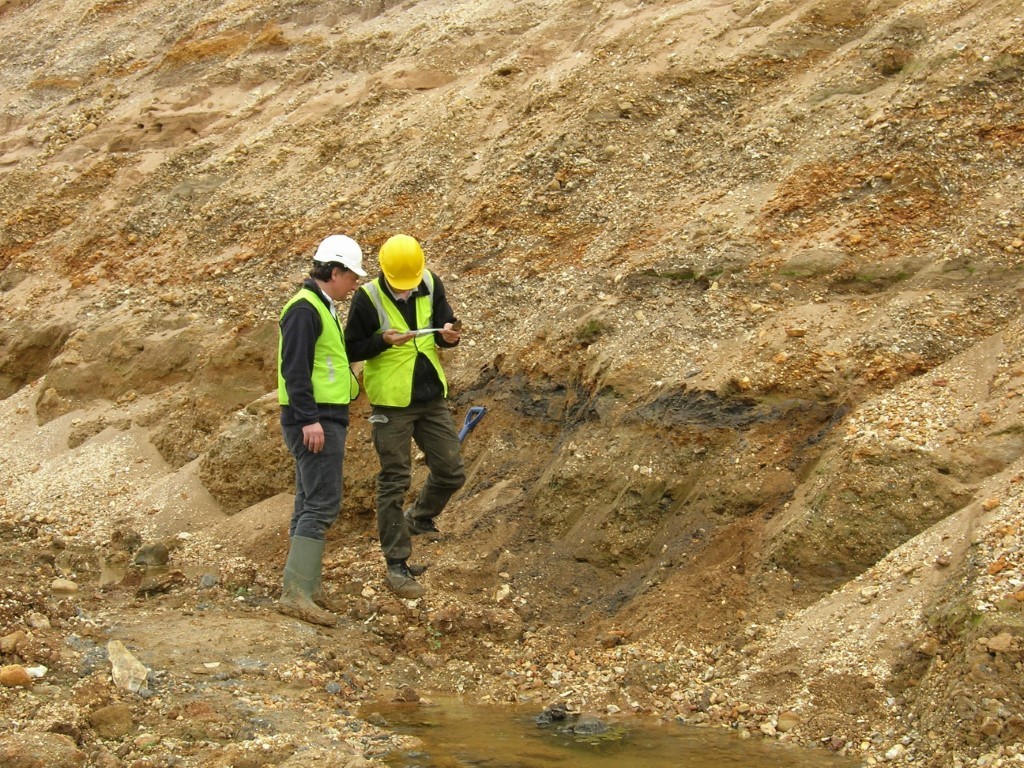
(473, 415)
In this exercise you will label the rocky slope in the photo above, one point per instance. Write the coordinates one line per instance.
(742, 288)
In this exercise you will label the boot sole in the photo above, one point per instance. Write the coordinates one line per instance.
(310, 614)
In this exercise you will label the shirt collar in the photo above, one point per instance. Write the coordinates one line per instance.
(419, 290)
(315, 287)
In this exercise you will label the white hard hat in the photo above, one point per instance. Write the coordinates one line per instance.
(343, 250)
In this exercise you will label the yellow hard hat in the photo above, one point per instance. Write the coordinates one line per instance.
(401, 261)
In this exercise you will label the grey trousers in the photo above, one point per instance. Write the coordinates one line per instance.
(431, 426)
(318, 483)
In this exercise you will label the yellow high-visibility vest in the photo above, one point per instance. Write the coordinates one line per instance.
(332, 378)
(387, 377)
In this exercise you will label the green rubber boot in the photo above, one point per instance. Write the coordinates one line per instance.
(302, 573)
(322, 599)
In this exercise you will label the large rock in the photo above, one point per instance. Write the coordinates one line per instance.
(247, 461)
(25, 354)
(112, 722)
(39, 750)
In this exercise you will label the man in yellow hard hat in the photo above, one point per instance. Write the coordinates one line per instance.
(396, 323)
(315, 385)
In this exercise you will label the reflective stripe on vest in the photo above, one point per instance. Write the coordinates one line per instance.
(332, 379)
(387, 377)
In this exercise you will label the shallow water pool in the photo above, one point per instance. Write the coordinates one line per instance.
(455, 735)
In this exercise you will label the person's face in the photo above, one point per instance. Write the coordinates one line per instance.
(342, 283)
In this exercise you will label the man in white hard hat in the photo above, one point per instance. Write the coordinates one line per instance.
(315, 386)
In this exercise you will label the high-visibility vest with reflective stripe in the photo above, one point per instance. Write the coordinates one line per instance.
(387, 377)
(332, 378)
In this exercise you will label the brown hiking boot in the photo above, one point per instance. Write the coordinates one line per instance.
(422, 526)
(402, 583)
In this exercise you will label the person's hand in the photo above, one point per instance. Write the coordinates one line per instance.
(313, 437)
(396, 338)
(449, 334)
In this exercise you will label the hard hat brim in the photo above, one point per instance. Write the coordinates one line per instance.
(403, 285)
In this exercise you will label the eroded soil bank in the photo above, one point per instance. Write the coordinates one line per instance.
(742, 293)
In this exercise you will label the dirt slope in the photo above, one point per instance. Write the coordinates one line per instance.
(742, 287)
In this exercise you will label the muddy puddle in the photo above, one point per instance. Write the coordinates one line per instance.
(453, 734)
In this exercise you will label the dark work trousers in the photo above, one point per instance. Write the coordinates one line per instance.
(431, 426)
(317, 480)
